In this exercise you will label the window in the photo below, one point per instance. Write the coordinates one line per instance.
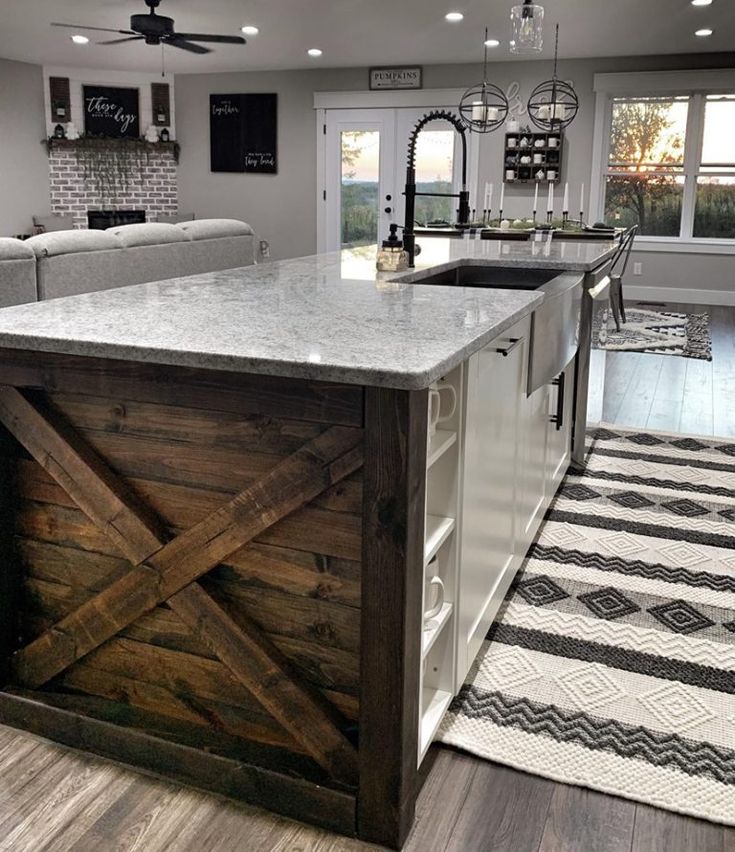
(434, 173)
(670, 165)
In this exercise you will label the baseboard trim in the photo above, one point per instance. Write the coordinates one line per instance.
(635, 293)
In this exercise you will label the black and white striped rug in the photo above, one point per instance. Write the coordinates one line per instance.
(612, 665)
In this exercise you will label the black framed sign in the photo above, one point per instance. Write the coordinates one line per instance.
(243, 133)
(111, 111)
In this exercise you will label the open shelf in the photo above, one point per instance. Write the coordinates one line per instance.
(434, 626)
(439, 443)
(437, 531)
(434, 703)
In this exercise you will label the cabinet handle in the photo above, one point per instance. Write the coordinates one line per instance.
(558, 418)
(514, 342)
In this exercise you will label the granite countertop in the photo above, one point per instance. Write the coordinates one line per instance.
(327, 317)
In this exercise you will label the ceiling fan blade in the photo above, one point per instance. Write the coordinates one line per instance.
(186, 45)
(121, 40)
(99, 29)
(221, 39)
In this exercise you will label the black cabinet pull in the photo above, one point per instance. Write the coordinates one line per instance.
(514, 342)
(558, 418)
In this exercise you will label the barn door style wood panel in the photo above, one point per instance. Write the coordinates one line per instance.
(189, 573)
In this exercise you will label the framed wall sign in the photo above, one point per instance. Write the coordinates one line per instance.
(243, 133)
(111, 111)
(397, 77)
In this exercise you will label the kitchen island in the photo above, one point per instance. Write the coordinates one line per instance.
(221, 496)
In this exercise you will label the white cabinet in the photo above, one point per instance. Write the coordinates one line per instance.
(514, 459)
(494, 390)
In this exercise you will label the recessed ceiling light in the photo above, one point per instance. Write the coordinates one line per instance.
(80, 39)
(250, 30)
(492, 42)
(454, 17)
(701, 2)
(703, 33)
(314, 51)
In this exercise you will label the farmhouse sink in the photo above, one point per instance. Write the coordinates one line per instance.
(492, 277)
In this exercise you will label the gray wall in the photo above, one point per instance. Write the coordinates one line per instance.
(24, 180)
(282, 207)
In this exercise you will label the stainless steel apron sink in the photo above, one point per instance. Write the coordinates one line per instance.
(555, 323)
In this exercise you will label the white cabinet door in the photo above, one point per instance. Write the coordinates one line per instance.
(561, 403)
(495, 387)
(532, 466)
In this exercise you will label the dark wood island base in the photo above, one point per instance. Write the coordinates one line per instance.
(217, 577)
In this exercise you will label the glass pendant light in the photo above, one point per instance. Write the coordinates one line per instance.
(527, 25)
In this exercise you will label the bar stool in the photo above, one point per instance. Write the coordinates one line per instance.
(617, 304)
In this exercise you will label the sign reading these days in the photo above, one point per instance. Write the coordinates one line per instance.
(243, 133)
(400, 77)
(111, 111)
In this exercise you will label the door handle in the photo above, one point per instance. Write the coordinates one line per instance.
(558, 418)
(514, 342)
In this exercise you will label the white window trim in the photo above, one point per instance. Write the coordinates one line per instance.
(637, 84)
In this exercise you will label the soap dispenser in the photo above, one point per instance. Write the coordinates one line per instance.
(392, 257)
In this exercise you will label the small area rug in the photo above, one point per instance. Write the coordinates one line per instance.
(612, 663)
(658, 332)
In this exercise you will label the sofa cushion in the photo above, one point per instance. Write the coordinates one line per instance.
(12, 249)
(148, 234)
(71, 242)
(207, 229)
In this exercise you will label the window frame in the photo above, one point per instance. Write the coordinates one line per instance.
(695, 85)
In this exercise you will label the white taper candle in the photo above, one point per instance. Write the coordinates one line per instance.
(502, 195)
(550, 203)
(581, 199)
(535, 199)
(565, 206)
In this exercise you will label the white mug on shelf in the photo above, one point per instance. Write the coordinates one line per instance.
(438, 412)
(434, 592)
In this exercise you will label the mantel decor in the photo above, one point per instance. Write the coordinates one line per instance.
(111, 166)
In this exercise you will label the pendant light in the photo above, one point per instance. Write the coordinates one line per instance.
(484, 106)
(553, 104)
(527, 28)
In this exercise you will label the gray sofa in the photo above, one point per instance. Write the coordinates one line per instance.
(66, 263)
(17, 272)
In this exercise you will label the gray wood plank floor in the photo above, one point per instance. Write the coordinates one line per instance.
(53, 799)
(668, 393)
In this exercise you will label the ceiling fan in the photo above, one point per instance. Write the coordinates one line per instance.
(158, 29)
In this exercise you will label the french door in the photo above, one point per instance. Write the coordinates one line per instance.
(365, 172)
(360, 176)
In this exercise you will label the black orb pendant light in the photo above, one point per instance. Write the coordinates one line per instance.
(553, 104)
(484, 106)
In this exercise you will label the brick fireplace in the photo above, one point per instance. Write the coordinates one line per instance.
(153, 190)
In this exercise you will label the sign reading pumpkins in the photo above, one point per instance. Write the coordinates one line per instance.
(243, 133)
(111, 111)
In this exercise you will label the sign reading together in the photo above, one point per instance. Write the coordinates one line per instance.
(243, 133)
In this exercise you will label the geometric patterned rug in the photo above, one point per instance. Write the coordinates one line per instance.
(612, 662)
(658, 332)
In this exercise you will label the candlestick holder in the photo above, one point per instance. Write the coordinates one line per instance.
(549, 216)
(500, 217)
(564, 218)
(534, 218)
(581, 218)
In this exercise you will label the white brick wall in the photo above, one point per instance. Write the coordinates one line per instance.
(153, 190)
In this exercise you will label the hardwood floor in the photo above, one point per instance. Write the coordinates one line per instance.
(671, 394)
(53, 799)
(57, 800)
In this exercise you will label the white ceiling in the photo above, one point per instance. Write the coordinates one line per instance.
(356, 32)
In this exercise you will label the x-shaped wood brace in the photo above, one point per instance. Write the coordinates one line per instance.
(166, 571)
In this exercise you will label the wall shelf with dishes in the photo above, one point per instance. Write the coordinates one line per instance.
(532, 157)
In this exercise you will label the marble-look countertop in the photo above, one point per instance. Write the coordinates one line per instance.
(327, 317)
